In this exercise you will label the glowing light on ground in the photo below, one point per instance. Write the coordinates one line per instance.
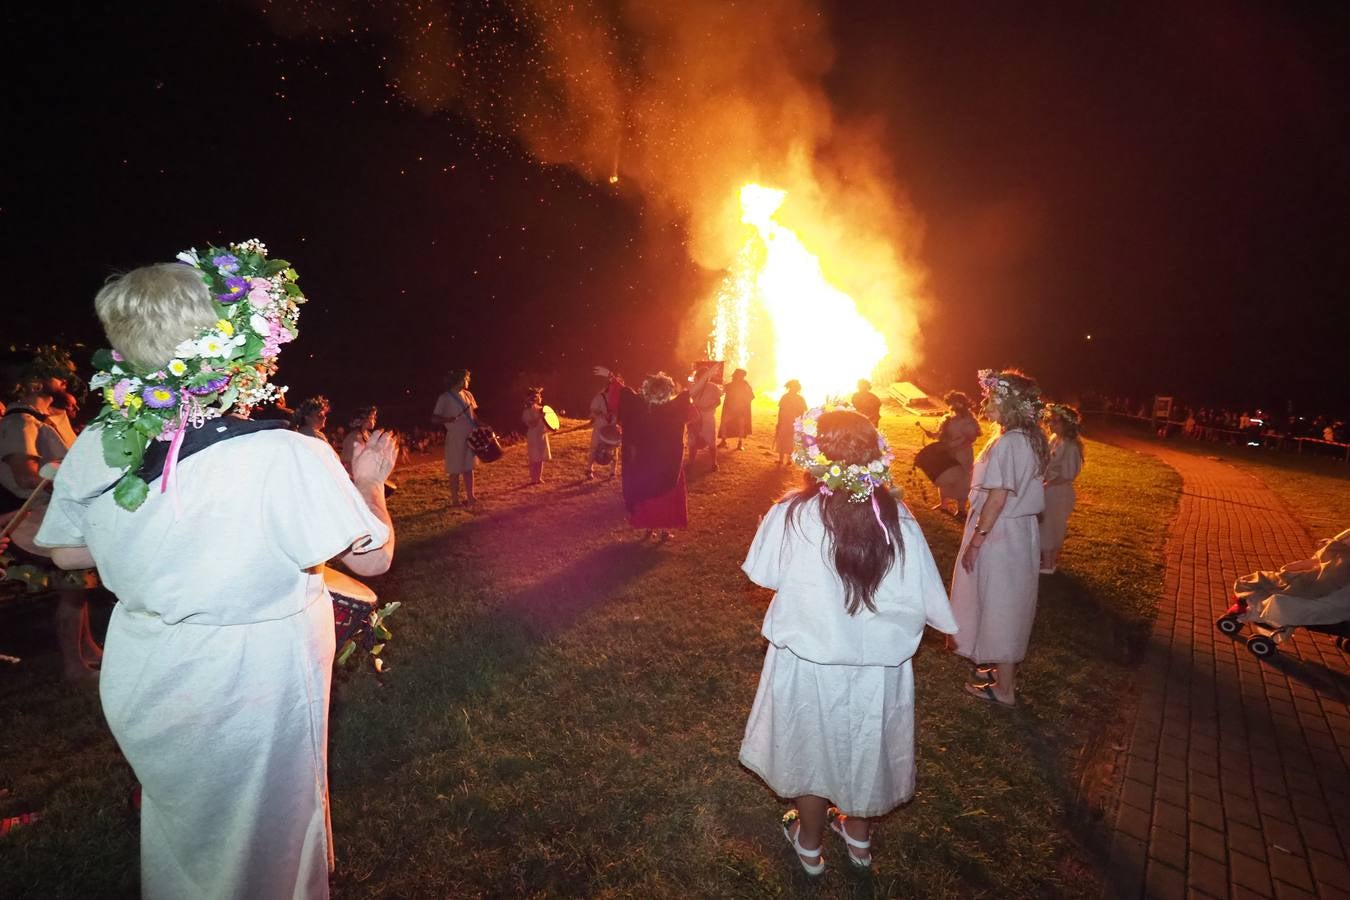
(778, 317)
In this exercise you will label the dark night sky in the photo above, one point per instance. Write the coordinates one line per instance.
(1173, 179)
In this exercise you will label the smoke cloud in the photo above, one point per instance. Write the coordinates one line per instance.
(683, 101)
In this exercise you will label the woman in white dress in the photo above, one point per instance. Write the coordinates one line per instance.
(855, 583)
(995, 582)
(456, 409)
(1066, 461)
(537, 449)
(219, 654)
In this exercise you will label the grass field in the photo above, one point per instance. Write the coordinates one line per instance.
(565, 706)
(1315, 487)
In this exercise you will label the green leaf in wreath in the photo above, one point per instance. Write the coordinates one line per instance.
(130, 492)
(150, 425)
(347, 650)
(377, 650)
(122, 447)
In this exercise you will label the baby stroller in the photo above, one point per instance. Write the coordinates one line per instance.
(1311, 593)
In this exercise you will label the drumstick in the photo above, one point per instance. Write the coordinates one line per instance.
(47, 472)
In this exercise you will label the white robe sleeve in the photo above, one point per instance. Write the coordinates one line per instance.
(1001, 468)
(83, 478)
(313, 511)
(764, 563)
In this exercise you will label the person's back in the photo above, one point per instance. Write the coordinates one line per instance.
(867, 403)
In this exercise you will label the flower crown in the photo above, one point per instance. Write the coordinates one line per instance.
(1063, 411)
(1008, 397)
(225, 366)
(858, 479)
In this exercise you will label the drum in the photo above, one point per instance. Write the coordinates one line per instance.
(484, 444)
(934, 460)
(551, 420)
(611, 435)
(353, 603)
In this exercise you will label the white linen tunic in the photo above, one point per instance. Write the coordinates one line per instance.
(1066, 461)
(996, 604)
(219, 654)
(834, 712)
(460, 406)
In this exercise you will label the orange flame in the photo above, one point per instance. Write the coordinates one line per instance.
(815, 333)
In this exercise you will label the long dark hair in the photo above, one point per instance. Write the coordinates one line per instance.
(862, 555)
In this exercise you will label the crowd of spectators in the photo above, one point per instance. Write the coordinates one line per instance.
(1252, 426)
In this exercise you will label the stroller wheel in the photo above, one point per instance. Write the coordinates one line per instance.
(1261, 646)
(1228, 625)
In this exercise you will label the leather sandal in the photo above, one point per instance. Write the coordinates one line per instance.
(837, 820)
(790, 818)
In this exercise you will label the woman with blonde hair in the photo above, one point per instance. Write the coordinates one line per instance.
(1066, 461)
(219, 655)
(995, 583)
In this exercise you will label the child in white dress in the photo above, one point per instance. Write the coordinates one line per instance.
(855, 582)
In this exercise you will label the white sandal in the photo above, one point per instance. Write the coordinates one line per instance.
(836, 820)
(790, 818)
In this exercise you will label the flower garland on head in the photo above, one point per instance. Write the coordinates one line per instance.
(859, 480)
(1065, 412)
(999, 389)
(224, 367)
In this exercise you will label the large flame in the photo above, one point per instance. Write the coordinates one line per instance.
(778, 317)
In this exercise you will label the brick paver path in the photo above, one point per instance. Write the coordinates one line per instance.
(1236, 779)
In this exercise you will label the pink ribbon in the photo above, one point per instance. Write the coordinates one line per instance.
(876, 511)
(171, 461)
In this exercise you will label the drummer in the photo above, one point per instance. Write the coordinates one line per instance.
(602, 418)
(536, 433)
(958, 433)
(32, 433)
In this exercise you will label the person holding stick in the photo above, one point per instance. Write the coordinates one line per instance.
(34, 435)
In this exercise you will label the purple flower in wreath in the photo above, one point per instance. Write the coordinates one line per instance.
(215, 384)
(237, 287)
(226, 263)
(158, 396)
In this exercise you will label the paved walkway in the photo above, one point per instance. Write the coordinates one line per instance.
(1236, 779)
